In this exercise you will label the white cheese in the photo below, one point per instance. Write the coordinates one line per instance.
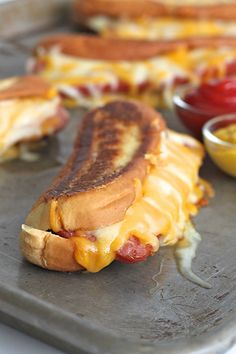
(21, 119)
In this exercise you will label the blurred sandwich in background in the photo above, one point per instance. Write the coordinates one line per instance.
(90, 71)
(30, 109)
(161, 19)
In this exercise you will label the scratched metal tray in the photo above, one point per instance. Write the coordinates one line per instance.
(143, 308)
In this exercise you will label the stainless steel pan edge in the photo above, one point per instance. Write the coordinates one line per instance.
(20, 309)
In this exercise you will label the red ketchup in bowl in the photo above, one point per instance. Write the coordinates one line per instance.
(198, 105)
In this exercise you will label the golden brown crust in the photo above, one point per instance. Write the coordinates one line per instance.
(83, 9)
(92, 47)
(48, 250)
(26, 86)
(220, 11)
(97, 184)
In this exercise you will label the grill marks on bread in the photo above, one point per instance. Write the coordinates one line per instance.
(103, 175)
(110, 143)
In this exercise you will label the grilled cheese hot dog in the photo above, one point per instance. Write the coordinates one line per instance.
(29, 109)
(129, 187)
(148, 19)
(89, 71)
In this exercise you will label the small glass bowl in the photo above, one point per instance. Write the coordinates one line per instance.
(192, 117)
(220, 151)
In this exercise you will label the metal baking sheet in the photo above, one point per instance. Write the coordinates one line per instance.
(142, 308)
(19, 17)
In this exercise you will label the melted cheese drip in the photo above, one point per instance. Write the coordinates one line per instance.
(161, 28)
(68, 73)
(185, 252)
(162, 209)
(22, 119)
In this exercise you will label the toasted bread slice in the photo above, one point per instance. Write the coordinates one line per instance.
(24, 87)
(83, 9)
(92, 47)
(48, 250)
(102, 176)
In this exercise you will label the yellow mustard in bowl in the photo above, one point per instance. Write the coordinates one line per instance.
(220, 141)
(227, 134)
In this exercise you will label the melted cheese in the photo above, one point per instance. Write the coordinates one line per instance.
(162, 209)
(161, 28)
(185, 252)
(150, 98)
(22, 119)
(69, 74)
